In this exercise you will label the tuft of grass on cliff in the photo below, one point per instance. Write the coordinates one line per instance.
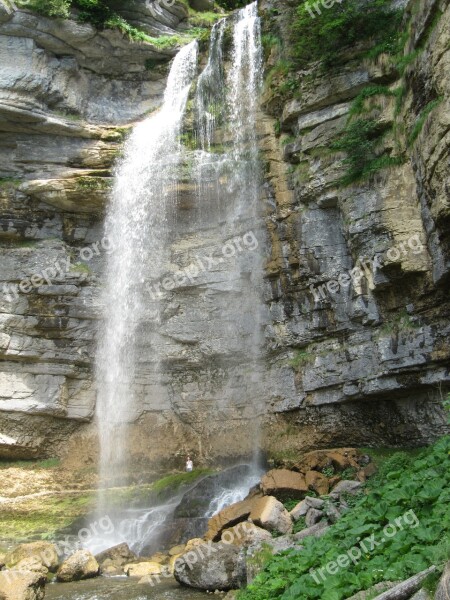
(417, 485)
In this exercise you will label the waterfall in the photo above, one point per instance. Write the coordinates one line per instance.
(136, 230)
(148, 236)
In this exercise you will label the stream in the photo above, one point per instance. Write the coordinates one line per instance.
(120, 588)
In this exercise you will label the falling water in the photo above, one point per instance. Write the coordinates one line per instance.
(140, 227)
(136, 228)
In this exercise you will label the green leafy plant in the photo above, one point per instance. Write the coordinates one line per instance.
(418, 486)
(328, 471)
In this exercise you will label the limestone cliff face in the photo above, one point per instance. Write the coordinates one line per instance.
(372, 353)
(356, 364)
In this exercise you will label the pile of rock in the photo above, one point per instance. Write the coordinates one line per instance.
(240, 534)
(26, 570)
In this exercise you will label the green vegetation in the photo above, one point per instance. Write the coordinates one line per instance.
(370, 91)
(93, 184)
(103, 14)
(301, 358)
(322, 37)
(47, 463)
(80, 268)
(417, 486)
(418, 125)
(9, 182)
(360, 141)
(176, 480)
(232, 4)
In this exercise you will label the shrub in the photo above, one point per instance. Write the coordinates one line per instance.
(323, 36)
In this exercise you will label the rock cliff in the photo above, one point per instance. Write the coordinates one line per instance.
(352, 357)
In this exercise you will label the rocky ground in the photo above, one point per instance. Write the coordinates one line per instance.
(287, 507)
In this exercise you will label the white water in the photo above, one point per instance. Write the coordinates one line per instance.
(142, 207)
(136, 227)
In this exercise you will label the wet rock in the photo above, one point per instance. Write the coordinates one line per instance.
(228, 517)
(22, 585)
(44, 552)
(32, 564)
(143, 569)
(284, 484)
(81, 565)
(112, 560)
(223, 569)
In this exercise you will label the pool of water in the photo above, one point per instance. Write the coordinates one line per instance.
(120, 588)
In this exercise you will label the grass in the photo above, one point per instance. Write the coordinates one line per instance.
(300, 359)
(406, 482)
(361, 140)
(48, 463)
(418, 125)
(93, 184)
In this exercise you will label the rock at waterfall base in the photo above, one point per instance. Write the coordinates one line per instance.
(32, 564)
(245, 534)
(143, 569)
(266, 512)
(115, 558)
(43, 552)
(81, 565)
(22, 585)
(270, 514)
(223, 569)
(284, 484)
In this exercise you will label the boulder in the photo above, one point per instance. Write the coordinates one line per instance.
(177, 550)
(32, 564)
(22, 585)
(313, 516)
(339, 458)
(229, 516)
(316, 530)
(318, 482)
(443, 589)
(45, 552)
(245, 534)
(81, 565)
(270, 514)
(300, 510)
(221, 568)
(346, 487)
(112, 560)
(193, 543)
(303, 507)
(284, 484)
(143, 569)
(160, 557)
